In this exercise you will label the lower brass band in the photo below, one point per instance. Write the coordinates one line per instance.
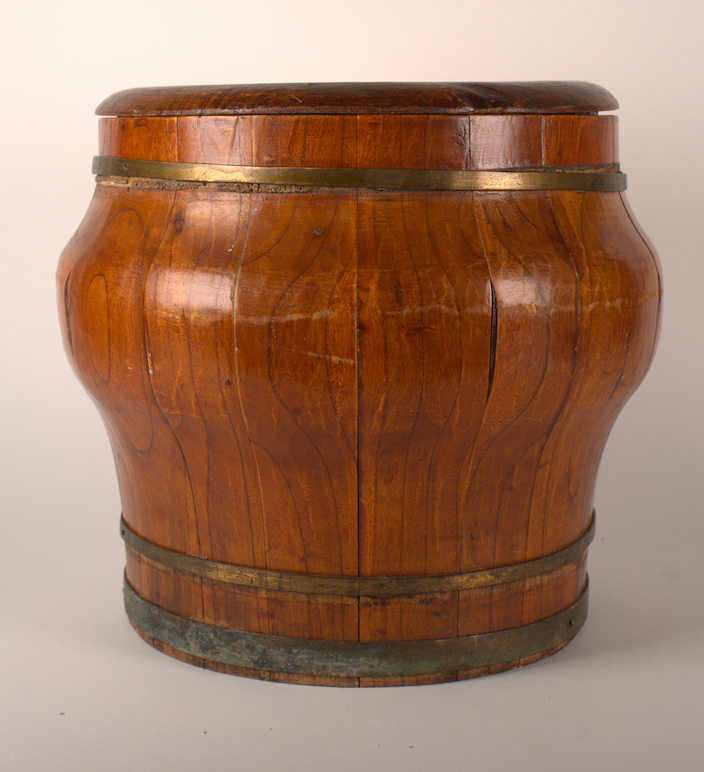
(353, 585)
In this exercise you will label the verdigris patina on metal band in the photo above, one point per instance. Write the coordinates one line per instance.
(351, 658)
(353, 585)
(377, 179)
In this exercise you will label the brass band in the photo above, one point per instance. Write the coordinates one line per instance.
(377, 179)
(315, 584)
(351, 658)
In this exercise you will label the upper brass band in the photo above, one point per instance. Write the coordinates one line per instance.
(313, 584)
(377, 179)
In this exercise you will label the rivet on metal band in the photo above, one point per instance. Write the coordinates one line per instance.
(351, 658)
(315, 584)
(377, 179)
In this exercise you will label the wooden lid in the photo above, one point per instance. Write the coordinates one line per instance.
(362, 98)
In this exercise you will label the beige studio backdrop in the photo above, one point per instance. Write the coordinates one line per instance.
(78, 689)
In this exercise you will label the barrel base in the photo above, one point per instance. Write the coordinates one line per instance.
(335, 663)
(321, 680)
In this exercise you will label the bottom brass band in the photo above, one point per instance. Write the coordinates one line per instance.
(304, 656)
(284, 581)
(376, 179)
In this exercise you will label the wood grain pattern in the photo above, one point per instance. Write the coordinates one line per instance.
(146, 139)
(412, 142)
(506, 141)
(536, 323)
(587, 140)
(605, 266)
(359, 382)
(295, 371)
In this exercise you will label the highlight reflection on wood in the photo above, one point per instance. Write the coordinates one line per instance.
(358, 382)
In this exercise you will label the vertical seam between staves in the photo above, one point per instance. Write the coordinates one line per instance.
(236, 376)
(147, 345)
(357, 352)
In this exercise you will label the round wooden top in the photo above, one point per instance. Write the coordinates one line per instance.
(362, 98)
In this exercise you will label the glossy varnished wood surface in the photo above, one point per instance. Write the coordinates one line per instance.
(359, 98)
(358, 382)
(479, 142)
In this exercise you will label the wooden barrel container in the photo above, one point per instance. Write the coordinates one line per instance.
(358, 349)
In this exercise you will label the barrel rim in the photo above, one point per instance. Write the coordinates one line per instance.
(551, 97)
